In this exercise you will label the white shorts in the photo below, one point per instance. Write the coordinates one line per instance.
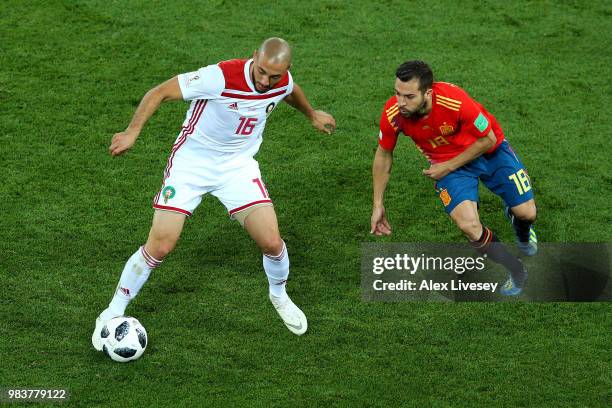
(194, 170)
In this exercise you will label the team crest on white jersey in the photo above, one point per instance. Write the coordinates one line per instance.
(270, 108)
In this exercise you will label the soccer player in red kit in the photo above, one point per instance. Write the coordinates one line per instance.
(464, 144)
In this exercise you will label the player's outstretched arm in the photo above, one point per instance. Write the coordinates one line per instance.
(319, 119)
(166, 91)
(381, 171)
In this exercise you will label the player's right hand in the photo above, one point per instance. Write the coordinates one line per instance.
(323, 121)
(378, 223)
(121, 142)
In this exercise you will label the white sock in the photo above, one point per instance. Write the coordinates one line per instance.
(277, 270)
(134, 275)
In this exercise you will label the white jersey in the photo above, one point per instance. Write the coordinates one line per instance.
(227, 114)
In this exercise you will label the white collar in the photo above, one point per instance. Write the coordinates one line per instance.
(247, 75)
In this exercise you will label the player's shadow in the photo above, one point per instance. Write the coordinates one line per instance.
(584, 270)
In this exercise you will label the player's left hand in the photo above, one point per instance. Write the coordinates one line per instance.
(437, 171)
(323, 121)
(378, 222)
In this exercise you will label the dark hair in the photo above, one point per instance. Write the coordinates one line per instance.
(416, 69)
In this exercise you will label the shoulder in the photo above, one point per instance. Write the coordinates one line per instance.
(391, 105)
(449, 90)
(212, 72)
(233, 66)
(233, 73)
(449, 96)
(206, 82)
(286, 80)
(391, 110)
(391, 102)
(390, 115)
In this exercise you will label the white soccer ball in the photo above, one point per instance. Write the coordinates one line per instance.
(124, 339)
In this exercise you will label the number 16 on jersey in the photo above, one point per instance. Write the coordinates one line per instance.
(246, 126)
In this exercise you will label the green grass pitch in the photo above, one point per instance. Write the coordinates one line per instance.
(71, 75)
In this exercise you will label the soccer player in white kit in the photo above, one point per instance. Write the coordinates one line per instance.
(230, 103)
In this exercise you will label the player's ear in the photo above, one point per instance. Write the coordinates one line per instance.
(255, 55)
(429, 92)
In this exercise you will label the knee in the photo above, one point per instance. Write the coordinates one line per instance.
(160, 247)
(272, 246)
(527, 213)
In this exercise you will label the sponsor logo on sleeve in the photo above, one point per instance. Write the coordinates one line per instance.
(481, 122)
(191, 77)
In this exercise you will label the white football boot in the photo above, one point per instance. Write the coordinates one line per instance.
(292, 316)
(97, 337)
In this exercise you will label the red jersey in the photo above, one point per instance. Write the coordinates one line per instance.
(454, 123)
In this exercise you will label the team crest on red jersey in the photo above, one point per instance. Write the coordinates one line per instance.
(446, 129)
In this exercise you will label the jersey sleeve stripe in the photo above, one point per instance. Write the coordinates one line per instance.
(391, 115)
(392, 110)
(456, 105)
(392, 120)
(451, 107)
(449, 100)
